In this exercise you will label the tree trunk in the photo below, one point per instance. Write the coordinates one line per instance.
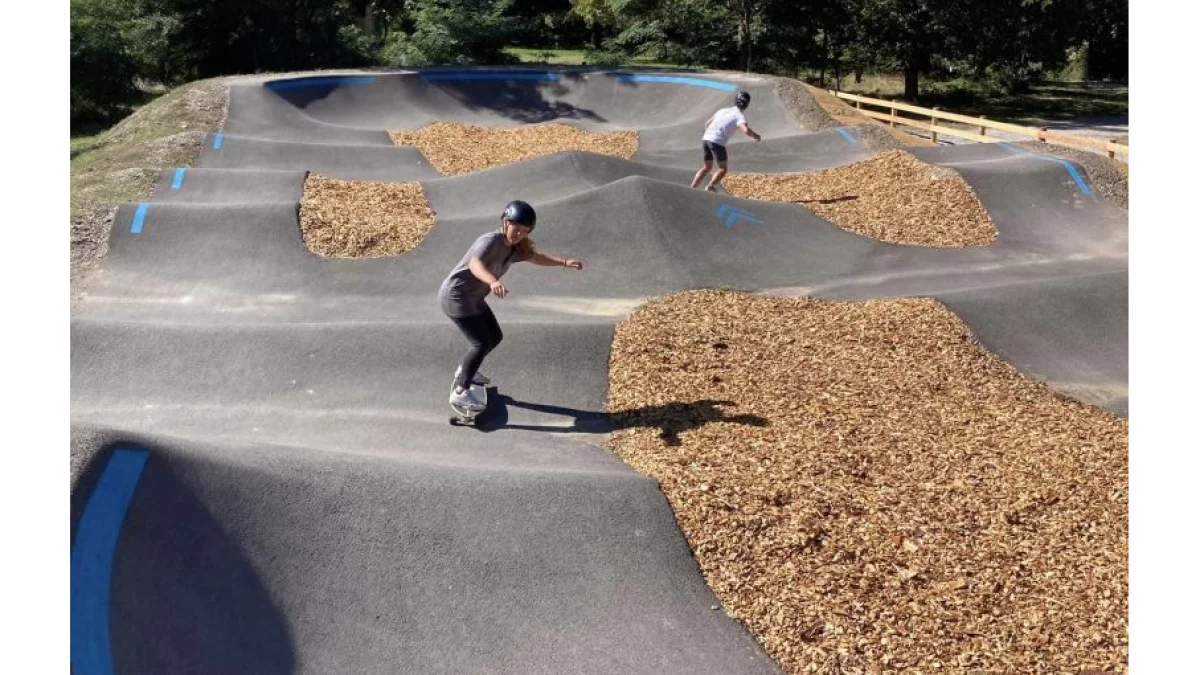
(916, 60)
(837, 69)
(368, 23)
(824, 58)
(743, 38)
(910, 81)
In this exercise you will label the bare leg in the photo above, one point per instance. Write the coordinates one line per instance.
(722, 169)
(702, 172)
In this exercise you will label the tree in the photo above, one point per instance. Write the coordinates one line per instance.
(102, 69)
(1104, 31)
(452, 31)
(597, 15)
(908, 32)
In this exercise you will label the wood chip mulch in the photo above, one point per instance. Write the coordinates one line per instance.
(363, 219)
(455, 149)
(870, 491)
(893, 197)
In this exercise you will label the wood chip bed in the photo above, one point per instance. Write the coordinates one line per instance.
(870, 491)
(363, 219)
(893, 197)
(455, 149)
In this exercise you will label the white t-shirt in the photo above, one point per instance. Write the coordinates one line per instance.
(724, 121)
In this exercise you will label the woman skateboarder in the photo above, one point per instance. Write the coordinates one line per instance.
(717, 130)
(463, 293)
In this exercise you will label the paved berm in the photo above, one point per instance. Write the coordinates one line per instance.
(264, 479)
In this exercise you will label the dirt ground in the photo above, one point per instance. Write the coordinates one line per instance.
(892, 197)
(870, 491)
(455, 149)
(363, 219)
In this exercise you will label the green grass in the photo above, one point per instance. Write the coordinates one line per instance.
(1048, 101)
(574, 57)
(554, 57)
(102, 157)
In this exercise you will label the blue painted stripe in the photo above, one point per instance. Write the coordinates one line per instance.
(731, 219)
(92, 561)
(691, 81)
(139, 218)
(1075, 176)
(307, 82)
(505, 75)
(722, 209)
(218, 141)
(846, 135)
(178, 181)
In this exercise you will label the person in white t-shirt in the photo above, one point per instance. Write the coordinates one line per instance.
(717, 131)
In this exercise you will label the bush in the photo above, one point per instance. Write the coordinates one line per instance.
(602, 58)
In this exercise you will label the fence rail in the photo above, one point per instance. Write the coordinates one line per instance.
(893, 118)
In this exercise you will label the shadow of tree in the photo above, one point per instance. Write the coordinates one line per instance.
(832, 200)
(519, 100)
(670, 419)
(184, 595)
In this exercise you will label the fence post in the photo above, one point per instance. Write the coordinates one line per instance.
(982, 129)
(932, 124)
(1112, 148)
(1042, 134)
(893, 121)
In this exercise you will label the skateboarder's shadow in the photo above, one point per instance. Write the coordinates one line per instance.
(671, 419)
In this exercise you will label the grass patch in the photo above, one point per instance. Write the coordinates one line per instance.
(120, 163)
(575, 57)
(1049, 101)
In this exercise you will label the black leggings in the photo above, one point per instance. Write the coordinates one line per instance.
(484, 334)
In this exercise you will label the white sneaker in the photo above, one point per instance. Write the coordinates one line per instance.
(479, 379)
(466, 400)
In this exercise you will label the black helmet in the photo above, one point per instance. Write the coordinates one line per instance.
(742, 100)
(521, 213)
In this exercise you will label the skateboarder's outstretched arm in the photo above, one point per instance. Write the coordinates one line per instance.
(750, 132)
(481, 273)
(547, 260)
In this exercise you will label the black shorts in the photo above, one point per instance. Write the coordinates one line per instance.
(711, 149)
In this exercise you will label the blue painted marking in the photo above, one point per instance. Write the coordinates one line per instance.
(218, 141)
(691, 81)
(735, 214)
(139, 217)
(845, 134)
(505, 75)
(92, 561)
(178, 181)
(308, 82)
(1083, 186)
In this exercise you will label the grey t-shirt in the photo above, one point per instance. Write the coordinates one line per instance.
(462, 294)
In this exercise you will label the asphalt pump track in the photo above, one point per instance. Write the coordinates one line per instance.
(263, 477)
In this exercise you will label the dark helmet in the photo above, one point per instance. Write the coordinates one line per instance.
(742, 100)
(521, 213)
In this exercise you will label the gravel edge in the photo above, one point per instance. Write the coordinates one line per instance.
(1105, 175)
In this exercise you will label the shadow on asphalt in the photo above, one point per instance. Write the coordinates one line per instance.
(671, 419)
(185, 597)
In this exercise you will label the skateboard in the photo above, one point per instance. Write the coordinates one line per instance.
(469, 418)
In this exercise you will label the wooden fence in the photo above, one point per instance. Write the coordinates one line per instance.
(935, 115)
